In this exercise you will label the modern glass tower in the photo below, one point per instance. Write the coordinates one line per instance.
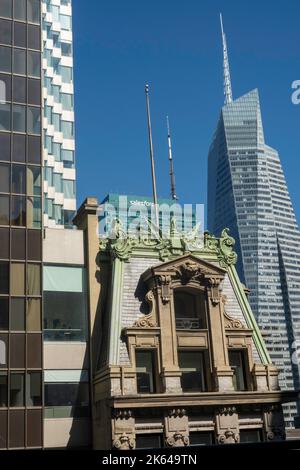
(58, 120)
(247, 192)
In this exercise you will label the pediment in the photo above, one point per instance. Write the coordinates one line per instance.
(187, 266)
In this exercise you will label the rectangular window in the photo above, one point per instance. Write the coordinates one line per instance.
(33, 120)
(201, 438)
(34, 91)
(19, 89)
(5, 32)
(19, 148)
(18, 179)
(19, 118)
(5, 59)
(34, 351)
(5, 81)
(4, 243)
(4, 146)
(17, 390)
(66, 394)
(33, 316)
(3, 390)
(19, 61)
(17, 315)
(18, 211)
(34, 37)
(4, 178)
(250, 435)
(33, 389)
(34, 64)
(20, 10)
(34, 150)
(193, 371)
(3, 429)
(33, 11)
(17, 279)
(17, 351)
(18, 244)
(4, 277)
(149, 441)
(20, 39)
(237, 363)
(6, 8)
(34, 212)
(5, 116)
(4, 314)
(33, 181)
(145, 370)
(3, 351)
(33, 279)
(34, 245)
(17, 429)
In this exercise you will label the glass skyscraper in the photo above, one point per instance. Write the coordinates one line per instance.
(58, 120)
(247, 192)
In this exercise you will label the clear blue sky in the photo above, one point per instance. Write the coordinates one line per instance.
(175, 45)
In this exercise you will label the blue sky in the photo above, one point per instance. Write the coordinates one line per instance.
(175, 45)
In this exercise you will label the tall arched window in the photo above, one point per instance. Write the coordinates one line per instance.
(190, 309)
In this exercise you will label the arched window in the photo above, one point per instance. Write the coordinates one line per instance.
(190, 309)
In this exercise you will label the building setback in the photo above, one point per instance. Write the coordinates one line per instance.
(248, 193)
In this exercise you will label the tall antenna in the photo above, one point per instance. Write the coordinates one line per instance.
(227, 79)
(172, 173)
(152, 157)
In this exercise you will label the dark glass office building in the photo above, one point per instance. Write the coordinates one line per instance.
(20, 225)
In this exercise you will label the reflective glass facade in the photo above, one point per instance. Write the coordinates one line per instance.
(58, 119)
(247, 192)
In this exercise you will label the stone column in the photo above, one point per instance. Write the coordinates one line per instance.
(227, 426)
(123, 430)
(222, 372)
(176, 428)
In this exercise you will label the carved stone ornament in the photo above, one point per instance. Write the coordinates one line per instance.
(165, 283)
(188, 271)
(122, 414)
(148, 321)
(227, 255)
(177, 412)
(227, 410)
(231, 323)
(229, 437)
(177, 440)
(124, 442)
(276, 434)
(214, 294)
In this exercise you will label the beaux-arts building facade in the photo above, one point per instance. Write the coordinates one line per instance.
(176, 356)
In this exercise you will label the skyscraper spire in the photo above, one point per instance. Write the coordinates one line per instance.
(227, 79)
(172, 174)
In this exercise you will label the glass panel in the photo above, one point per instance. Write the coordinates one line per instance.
(34, 37)
(5, 90)
(5, 117)
(18, 244)
(5, 32)
(237, 363)
(4, 210)
(3, 429)
(18, 179)
(4, 243)
(34, 245)
(19, 89)
(20, 35)
(66, 394)
(33, 315)
(19, 118)
(5, 147)
(4, 314)
(192, 368)
(17, 351)
(34, 149)
(34, 64)
(3, 390)
(20, 9)
(34, 351)
(64, 316)
(33, 279)
(16, 389)
(33, 11)
(18, 211)
(17, 429)
(19, 148)
(34, 428)
(4, 178)
(17, 315)
(189, 310)
(250, 435)
(34, 120)
(34, 212)
(5, 59)
(34, 91)
(149, 441)
(3, 351)
(4, 277)
(201, 438)
(6, 8)
(33, 180)
(17, 279)
(19, 61)
(145, 371)
(72, 279)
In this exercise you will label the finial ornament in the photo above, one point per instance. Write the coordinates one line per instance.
(227, 78)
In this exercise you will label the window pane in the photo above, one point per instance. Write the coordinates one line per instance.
(64, 316)
(250, 435)
(4, 314)
(201, 438)
(17, 278)
(3, 391)
(34, 212)
(19, 93)
(19, 118)
(34, 428)
(5, 147)
(34, 351)
(17, 351)
(4, 210)
(34, 389)
(5, 90)
(67, 394)
(34, 245)
(34, 64)
(18, 244)
(33, 11)
(18, 179)
(19, 148)
(16, 390)
(4, 243)
(19, 61)
(20, 9)
(34, 121)
(3, 429)
(17, 315)
(192, 368)
(149, 441)
(20, 34)
(34, 149)
(5, 32)
(5, 59)
(5, 117)
(18, 211)
(237, 363)
(33, 180)
(34, 91)
(33, 279)
(33, 315)
(4, 277)
(145, 371)
(17, 429)
(34, 38)
(6, 8)
(4, 178)
(3, 351)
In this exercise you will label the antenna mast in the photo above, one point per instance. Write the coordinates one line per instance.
(227, 79)
(152, 156)
(172, 173)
